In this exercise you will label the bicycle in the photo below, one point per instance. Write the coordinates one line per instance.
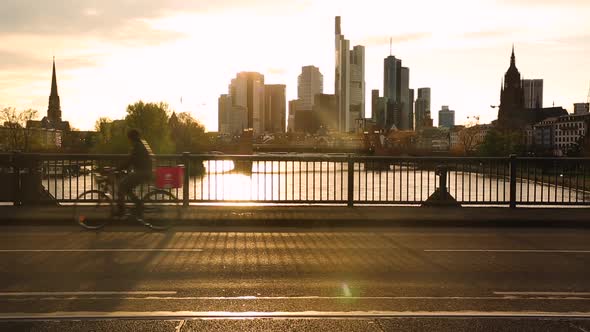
(95, 208)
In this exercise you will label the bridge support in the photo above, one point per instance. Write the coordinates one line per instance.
(441, 196)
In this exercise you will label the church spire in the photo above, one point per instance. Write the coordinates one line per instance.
(54, 109)
(512, 58)
(53, 81)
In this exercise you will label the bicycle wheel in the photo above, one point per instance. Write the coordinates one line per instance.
(161, 209)
(93, 209)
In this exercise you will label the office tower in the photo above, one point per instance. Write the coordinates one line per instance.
(446, 118)
(309, 84)
(233, 119)
(275, 103)
(247, 90)
(325, 112)
(533, 93)
(292, 110)
(391, 78)
(378, 109)
(357, 86)
(411, 111)
(349, 74)
(404, 98)
(422, 109)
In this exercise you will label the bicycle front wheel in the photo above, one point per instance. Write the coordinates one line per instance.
(93, 209)
(161, 209)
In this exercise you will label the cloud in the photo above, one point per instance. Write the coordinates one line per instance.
(101, 17)
(15, 61)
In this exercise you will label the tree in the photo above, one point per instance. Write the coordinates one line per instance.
(499, 143)
(112, 136)
(17, 136)
(187, 133)
(151, 119)
(468, 139)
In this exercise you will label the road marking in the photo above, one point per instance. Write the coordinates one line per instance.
(101, 250)
(544, 293)
(540, 251)
(287, 315)
(102, 296)
(8, 294)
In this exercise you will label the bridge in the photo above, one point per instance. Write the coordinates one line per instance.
(305, 242)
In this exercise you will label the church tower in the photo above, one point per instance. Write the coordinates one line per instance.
(512, 111)
(54, 109)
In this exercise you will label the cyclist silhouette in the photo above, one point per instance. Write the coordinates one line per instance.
(140, 165)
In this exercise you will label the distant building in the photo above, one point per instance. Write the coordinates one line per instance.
(349, 80)
(233, 119)
(446, 118)
(247, 90)
(378, 109)
(53, 120)
(275, 103)
(357, 86)
(560, 134)
(433, 139)
(396, 88)
(325, 112)
(533, 93)
(309, 83)
(293, 106)
(581, 108)
(511, 113)
(422, 109)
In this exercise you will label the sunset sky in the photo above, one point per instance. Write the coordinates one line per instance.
(110, 53)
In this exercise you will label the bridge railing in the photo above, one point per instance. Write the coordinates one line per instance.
(315, 179)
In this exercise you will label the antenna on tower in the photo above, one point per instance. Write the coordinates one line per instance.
(390, 45)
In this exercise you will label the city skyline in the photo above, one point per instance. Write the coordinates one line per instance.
(155, 58)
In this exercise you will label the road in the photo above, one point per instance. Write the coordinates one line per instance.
(385, 279)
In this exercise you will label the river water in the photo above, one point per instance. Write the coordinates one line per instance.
(293, 181)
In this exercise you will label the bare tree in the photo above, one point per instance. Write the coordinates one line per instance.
(468, 139)
(18, 136)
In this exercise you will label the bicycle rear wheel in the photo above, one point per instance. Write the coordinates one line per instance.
(93, 209)
(161, 209)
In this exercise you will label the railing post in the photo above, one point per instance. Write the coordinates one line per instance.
(350, 171)
(185, 186)
(16, 186)
(513, 181)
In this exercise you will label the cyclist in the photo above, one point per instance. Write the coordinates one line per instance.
(140, 163)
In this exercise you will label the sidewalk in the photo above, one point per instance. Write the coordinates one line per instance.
(333, 216)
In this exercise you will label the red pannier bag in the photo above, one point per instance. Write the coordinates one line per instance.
(169, 177)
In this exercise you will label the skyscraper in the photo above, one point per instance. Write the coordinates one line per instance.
(533, 93)
(275, 102)
(391, 78)
(349, 81)
(233, 119)
(247, 90)
(411, 111)
(405, 99)
(446, 118)
(422, 108)
(396, 89)
(357, 86)
(309, 84)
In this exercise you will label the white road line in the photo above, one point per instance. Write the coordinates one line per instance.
(538, 251)
(101, 250)
(104, 297)
(13, 294)
(287, 315)
(544, 293)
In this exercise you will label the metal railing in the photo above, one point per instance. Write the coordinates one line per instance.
(318, 179)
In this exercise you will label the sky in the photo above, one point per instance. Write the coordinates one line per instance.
(111, 53)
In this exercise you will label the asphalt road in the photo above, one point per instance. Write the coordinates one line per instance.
(283, 279)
